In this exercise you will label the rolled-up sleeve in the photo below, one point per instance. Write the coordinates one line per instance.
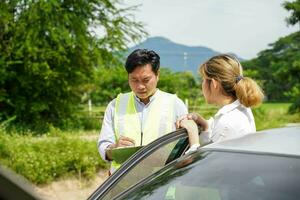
(107, 136)
(206, 136)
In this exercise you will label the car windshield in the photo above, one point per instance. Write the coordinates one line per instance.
(223, 175)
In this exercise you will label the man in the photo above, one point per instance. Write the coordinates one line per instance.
(142, 115)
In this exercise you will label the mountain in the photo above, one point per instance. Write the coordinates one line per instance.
(177, 57)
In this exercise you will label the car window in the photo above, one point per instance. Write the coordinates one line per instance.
(146, 167)
(142, 164)
(223, 176)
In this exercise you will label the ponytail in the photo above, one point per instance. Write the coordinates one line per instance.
(229, 72)
(248, 92)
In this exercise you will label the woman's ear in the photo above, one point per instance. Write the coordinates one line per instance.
(215, 83)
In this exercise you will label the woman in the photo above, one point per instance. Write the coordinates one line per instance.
(224, 85)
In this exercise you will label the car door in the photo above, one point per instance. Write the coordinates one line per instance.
(143, 163)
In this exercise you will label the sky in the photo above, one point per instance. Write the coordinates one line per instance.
(243, 27)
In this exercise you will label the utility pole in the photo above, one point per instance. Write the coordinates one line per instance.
(185, 56)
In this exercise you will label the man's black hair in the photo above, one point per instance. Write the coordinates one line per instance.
(141, 57)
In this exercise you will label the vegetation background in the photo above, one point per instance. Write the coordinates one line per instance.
(53, 62)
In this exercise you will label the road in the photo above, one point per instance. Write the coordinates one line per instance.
(73, 188)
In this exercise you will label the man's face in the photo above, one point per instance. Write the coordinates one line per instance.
(143, 82)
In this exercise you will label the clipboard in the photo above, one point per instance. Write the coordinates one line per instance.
(121, 154)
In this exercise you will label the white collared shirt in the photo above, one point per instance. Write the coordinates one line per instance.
(231, 121)
(107, 135)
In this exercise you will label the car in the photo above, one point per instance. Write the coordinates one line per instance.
(14, 186)
(263, 165)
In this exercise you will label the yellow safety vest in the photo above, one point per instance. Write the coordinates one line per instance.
(160, 119)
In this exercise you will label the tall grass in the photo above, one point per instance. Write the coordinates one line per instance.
(49, 157)
(273, 115)
(267, 115)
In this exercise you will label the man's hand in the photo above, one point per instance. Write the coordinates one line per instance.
(125, 141)
(122, 142)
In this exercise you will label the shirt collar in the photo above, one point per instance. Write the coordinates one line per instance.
(229, 107)
(151, 98)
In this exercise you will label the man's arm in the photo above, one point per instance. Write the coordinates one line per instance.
(107, 136)
(107, 140)
(179, 108)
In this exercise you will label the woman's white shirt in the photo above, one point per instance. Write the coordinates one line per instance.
(231, 121)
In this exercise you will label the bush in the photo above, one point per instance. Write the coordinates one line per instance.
(44, 159)
(82, 120)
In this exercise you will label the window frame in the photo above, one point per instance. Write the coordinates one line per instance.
(144, 152)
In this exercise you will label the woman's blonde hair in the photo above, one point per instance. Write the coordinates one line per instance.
(228, 71)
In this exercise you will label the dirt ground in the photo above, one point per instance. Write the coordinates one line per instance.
(73, 189)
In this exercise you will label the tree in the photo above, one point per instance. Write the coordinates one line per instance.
(181, 83)
(294, 7)
(50, 49)
(110, 82)
(279, 67)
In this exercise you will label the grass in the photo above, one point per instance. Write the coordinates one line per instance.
(267, 115)
(43, 159)
(273, 115)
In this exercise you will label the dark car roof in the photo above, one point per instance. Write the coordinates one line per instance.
(276, 141)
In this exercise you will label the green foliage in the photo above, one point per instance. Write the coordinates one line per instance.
(181, 83)
(44, 159)
(273, 115)
(110, 82)
(278, 69)
(294, 7)
(90, 122)
(295, 107)
(267, 115)
(49, 51)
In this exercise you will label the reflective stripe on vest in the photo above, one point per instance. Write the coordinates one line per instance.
(160, 119)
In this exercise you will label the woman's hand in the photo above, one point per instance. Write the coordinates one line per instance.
(196, 118)
(190, 116)
(192, 130)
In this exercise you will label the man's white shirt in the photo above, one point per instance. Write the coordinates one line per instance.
(107, 135)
